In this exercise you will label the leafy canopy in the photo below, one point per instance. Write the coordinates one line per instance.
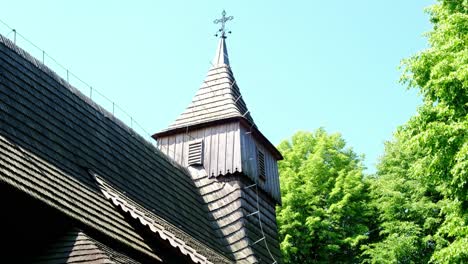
(421, 191)
(323, 215)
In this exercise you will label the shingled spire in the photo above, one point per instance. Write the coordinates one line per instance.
(218, 98)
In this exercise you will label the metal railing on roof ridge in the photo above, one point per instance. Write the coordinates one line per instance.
(75, 81)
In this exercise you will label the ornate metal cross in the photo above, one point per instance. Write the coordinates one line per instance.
(223, 21)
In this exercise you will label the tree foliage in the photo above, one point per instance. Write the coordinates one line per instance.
(421, 191)
(323, 218)
(415, 209)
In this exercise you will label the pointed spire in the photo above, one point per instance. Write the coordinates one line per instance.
(219, 97)
(221, 57)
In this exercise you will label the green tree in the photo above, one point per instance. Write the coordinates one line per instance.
(421, 191)
(323, 218)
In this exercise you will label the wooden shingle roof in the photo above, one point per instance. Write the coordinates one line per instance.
(51, 136)
(77, 247)
(218, 98)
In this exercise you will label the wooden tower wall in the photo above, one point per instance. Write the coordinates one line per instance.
(221, 147)
(250, 147)
(227, 148)
(233, 204)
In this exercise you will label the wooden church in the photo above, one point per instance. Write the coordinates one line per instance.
(79, 186)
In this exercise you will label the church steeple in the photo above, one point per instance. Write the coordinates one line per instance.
(231, 162)
(218, 116)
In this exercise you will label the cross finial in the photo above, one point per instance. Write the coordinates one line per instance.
(223, 21)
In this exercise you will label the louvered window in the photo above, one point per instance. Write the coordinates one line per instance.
(261, 165)
(195, 153)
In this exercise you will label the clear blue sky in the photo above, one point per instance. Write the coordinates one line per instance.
(299, 64)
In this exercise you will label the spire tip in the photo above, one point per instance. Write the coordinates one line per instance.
(223, 21)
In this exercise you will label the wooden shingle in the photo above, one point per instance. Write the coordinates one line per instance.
(51, 135)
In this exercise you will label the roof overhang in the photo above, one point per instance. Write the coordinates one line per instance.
(255, 132)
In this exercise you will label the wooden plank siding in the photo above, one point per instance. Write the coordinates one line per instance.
(227, 148)
(250, 146)
(221, 153)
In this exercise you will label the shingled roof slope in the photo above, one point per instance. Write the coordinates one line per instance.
(51, 135)
(218, 98)
(77, 247)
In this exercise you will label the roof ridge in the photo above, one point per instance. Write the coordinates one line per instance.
(52, 74)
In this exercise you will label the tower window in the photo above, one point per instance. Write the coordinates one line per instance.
(261, 165)
(195, 153)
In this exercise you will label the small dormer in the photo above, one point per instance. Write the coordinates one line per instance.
(216, 131)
